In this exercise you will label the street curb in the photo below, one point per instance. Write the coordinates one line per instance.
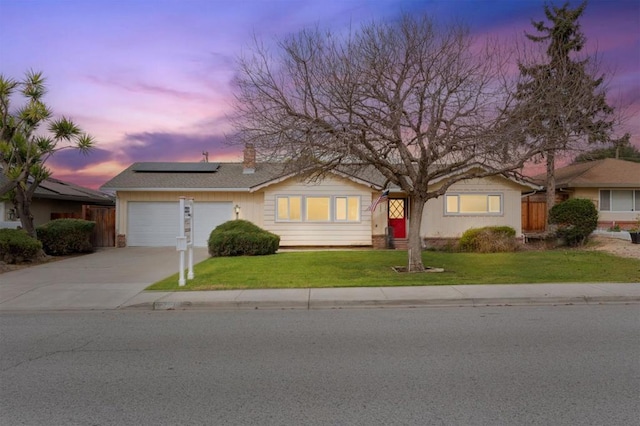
(387, 303)
(184, 305)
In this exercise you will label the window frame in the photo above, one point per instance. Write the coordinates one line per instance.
(458, 196)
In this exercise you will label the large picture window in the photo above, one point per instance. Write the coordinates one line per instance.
(297, 208)
(318, 209)
(473, 204)
(619, 200)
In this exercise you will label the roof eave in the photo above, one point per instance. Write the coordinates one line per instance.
(86, 200)
(602, 185)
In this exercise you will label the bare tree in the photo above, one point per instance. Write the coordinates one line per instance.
(418, 102)
(561, 97)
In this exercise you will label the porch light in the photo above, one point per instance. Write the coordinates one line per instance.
(237, 210)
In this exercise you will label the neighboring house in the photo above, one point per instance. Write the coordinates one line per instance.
(54, 199)
(332, 211)
(613, 186)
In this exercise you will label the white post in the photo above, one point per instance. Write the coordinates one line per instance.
(191, 237)
(190, 273)
(181, 246)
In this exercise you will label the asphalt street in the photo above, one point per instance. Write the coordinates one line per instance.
(535, 365)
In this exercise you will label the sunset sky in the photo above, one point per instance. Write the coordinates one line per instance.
(151, 79)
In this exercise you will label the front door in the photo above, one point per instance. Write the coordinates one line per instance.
(398, 217)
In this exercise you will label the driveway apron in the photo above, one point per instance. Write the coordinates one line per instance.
(106, 279)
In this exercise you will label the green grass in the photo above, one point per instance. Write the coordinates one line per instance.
(372, 268)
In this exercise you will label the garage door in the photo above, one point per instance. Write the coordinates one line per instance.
(155, 224)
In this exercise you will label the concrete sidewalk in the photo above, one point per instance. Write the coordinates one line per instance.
(116, 279)
(362, 297)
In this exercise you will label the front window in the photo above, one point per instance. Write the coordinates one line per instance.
(298, 208)
(289, 208)
(614, 200)
(473, 204)
(318, 209)
(347, 209)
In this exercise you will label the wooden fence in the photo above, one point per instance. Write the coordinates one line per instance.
(534, 215)
(104, 233)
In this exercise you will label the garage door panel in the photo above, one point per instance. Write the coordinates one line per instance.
(155, 224)
(207, 217)
(152, 224)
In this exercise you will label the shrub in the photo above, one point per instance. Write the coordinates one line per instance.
(16, 246)
(576, 219)
(490, 239)
(241, 238)
(66, 236)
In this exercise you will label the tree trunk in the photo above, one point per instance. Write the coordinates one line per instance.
(551, 186)
(22, 204)
(7, 187)
(415, 244)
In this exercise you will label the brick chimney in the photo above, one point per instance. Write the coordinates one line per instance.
(249, 162)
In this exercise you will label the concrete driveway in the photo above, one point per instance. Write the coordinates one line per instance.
(106, 279)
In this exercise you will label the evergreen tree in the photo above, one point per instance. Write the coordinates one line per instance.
(561, 101)
(621, 149)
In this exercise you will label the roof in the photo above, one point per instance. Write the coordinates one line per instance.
(608, 172)
(56, 189)
(176, 167)
(229, 177)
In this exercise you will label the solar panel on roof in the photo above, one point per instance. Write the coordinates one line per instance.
(176, 167)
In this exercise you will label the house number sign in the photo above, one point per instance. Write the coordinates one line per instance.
(184, 240)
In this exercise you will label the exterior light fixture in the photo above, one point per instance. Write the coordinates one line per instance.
(237, 210)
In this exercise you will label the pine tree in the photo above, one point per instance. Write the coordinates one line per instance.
(561, 102)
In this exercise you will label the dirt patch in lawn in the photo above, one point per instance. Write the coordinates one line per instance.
(615, 246)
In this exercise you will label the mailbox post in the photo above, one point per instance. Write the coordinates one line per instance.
(184, 240)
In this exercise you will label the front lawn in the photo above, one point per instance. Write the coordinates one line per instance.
(372, 268)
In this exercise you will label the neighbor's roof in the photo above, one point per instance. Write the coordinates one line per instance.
(56, 189)
(609, 172)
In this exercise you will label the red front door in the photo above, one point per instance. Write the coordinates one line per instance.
(398, 217)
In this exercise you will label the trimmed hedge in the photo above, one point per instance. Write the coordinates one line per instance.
(576, 219)
(66, 236)
(16, 246)
(241, 238)
(490, 239)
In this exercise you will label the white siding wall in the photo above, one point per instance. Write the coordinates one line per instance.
(319, 233)
(436, 225)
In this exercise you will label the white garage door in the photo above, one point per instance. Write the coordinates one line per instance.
(155, 224)
(206, 217)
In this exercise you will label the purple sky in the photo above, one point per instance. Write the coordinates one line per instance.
(151, 79)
